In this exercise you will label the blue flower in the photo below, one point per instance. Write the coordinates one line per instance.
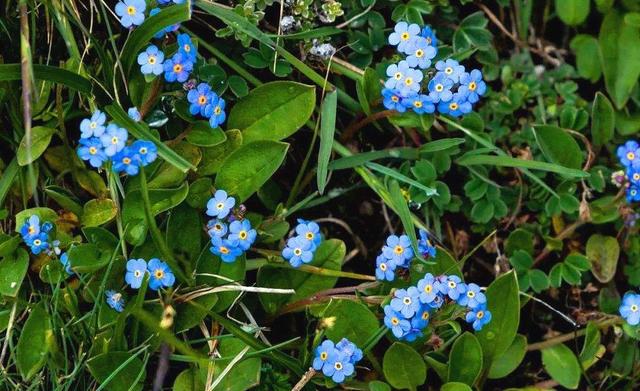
(440, 88)
(150, 61)
(310, 231)
(633, 175)
(397, 73)
(145, 150)
(392, 100)
(134, 114)
(398, 249)
(177, 68)
(64, 260)
(421, 54)
(38, 243)
(629, 155)
(472, 85)
(472, 297)
(451, 68)
(633, 193)
(216, 227)
(428, 287)
(113, 139)
(218, 116)
(413, 334)
(457, 106)
(420, 103)
(186, 47)
(630, 308)
(94, 126)
(242, 233)
(160, 274)
(55, 248)
(430, 35)
(424, 245)
(227, 250)
(385, 268)
(421, 320)
(220, 204)
(136, 269)
(411, 82)
(338, 368)
(91, 149)
(31, 227)
(350, 350)
(202, 100)
(126, 161)
(453, 287)
(115, 300)
(324, 353)
(403, 35)
(478, 317)
(46, 227)
(406, 301)
(131, 12)
(397, 323)
(297, 251)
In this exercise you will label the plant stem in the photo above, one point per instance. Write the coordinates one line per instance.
(569, 336)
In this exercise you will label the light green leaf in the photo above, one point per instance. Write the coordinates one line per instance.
(250, 166)
(117, 371)
(560, 362)
(465, 359)
(243, 375)
(98, 212)
(40, 139)
(273, 111)
(558, 146)
(403, 367)
(34, 342)
(602, 120)
(203, 135)
(402, 209)
(213, 157)
(603, 253)
(351, 320)
(572, 12)
(587, 51)
(455, 386)
(508, 161)
(507, 362)
(13, 268)
(327, 131)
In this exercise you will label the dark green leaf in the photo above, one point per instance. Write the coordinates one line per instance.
(403, 367)
(465, 359)
(560, 362)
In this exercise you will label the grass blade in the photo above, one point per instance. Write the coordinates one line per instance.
(360, 159)
(327, 131)
(508, 161)
(11, 72)
(402, 178)
(402, 209)
(7, 178)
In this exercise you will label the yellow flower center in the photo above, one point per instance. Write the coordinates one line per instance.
(631, 155)
(37, 242)
(309, 235)
(93, 125)
(137, 273)
(202, 99)
(242, 234)
(152, 60)
(425, 315)
(220, 205)
(159, 273)
(93, 150)
(397, 75)
(398, 249)
(406, 300)
(439, 87)
(217, 227)
(636, 176)
(131, 10)
(634, 308)
(126, 160)
(143, 150)
(395, 321)
(472, 86)
(297, 251)
(116, 296)
(383, 267)
(177, 68)
(408, 81)
(452, 284)
(471, 294)
(395, 98)
(338, 366)
(405, 36)
(187, 48)
(428, 288)
(31, 230)
(448, 70)
(224, 250)
(417, 104)
(419, 53)
(323, 356)
(114, 140)
(217, 110)
(428, 40)
(453, 106)
(480, 314)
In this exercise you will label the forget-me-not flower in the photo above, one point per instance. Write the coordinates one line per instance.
(406, 301)
(226, 249)
(202, 100)
(385, 269)
(338, 368)
(478, 317)
(220, 204)
(131, 12)
(177, 68)
(473, 297)
(94, 126)
(136, 269)
(440, 88)
(419, 103)
(91, 150)
(216, 227)
(31, 227)
(324, 352)
(242, 233)
(113, 139)
(629, 154)
(472, 85)
(453, 287)
(297, 251)
(134, 114)
(429, 288)
(421, 54)
(151, 60)
(630, 308)
(424, 245)
(126, 161)
(309, 230)
(146, 151)
(397, 73)
(115, 300)
(451, 68)
(218, 116)
(398, 249)
(396, 322)
(403, 35)
(186, 47)
(392, 100)
(160, 274)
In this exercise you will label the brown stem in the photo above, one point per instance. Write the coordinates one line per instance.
(351, 130)
(569, 336)
(304, 380)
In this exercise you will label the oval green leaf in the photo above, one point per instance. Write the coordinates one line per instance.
(603, 253)
(33, 345)
(40, 139)
(403, 367)
(558, 146)
(560, 362)
(465, 359)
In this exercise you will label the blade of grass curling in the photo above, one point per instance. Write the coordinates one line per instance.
(143, 34)
(10, 72)
(402, 209)
(327, 131)
(403, 178)
(140, 131)
(508, 161)
(364, 157)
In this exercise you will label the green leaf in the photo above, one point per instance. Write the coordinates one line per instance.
(507, 362)
(620, 48)
(587, 49)
(213, 157)
(455, 386)
(143, 34)
(141, 131)
(86, 258)
(13, 269)
(351, 320)
(602, 120)
(559, 147)
(572, 12)
(98, 212)
(378, 386)
(508, 161)
(45, 214)
(273, 111)
(562, 365)
(472, 33)
(603, 253)
(329, 255)
(211, 264)
(591, 347)
(504, 303)
(203, 135)
(403, 367)
(34, 342)
(117, 371)
(402, 209)
(6, 179)
(327, 131)
(9, 72)
(465, 359)
(40, 139)
(9, 244)
(519, 239)
(360, 159)
(250, 166)
(243, 375)
(189, 380)
(402, 178)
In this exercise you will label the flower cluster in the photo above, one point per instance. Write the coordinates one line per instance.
(301, 247)
(101, 142)
(630, 308)
(397, 253)
(629, 157)
(36, 236)
(451, 90)
(231, 234)
(131, 13)
(337, 361)
(409, 311)
(160, 275)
